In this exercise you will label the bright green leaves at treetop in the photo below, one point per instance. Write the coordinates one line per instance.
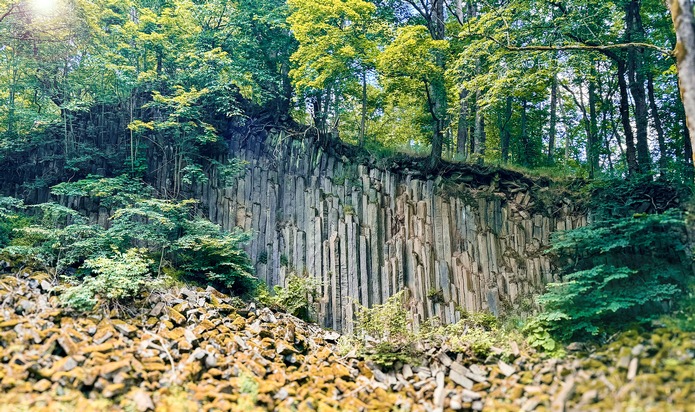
(338, 47)
(336, 41)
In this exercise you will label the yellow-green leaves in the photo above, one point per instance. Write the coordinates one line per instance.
(336, 41)
(412, 55)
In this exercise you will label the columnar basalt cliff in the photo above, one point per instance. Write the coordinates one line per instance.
(367, 232)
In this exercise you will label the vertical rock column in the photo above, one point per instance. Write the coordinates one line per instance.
(366, 233)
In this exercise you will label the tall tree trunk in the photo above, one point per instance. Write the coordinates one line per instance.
(505, 133)
(480, 137)
(688, 151)
(437, 98)
(479, 133)
(663, 156)
(462, 130)
(593, 144)
(472, 128)
(436, 95)
(635, 64)
(525, 150)
(553, 120)
(363, 120)
(630, 151)
(684, 23)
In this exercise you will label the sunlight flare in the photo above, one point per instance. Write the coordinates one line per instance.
(44, 7)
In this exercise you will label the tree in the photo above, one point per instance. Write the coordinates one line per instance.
(337, 45)
(684, 23)
(411, 65)
(432, 12)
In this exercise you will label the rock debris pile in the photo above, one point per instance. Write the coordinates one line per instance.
(196, 350)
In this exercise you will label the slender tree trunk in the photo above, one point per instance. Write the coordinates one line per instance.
(684, 23)
(635, 65)
(462, 130)
(524, 156)
(479, 133)
(553, 120)
(437, 98)
(363, 121)
(592, 142)
(472, 129)
(480, 137)
(505, 133)
(663, 156)
(630, 151)
(688, 151)
(459, 11)
(11, 102)
(605, 138)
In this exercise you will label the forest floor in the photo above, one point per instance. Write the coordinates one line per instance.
(193, 349)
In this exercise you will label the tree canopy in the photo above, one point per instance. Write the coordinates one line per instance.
(587, 88)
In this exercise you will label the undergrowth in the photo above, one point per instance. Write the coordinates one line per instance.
(298, 297)
(145, 240)
(386, 335)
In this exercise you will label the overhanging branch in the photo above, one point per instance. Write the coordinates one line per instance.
(587, 47)
(8, 12)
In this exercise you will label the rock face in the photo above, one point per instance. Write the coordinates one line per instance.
(367, 233)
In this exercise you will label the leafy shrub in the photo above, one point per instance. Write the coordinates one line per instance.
(619, 198)
(481, 320)
(110, 191)
(387, 354)
(119, 277)
(208, 254)
(10, 218)
(173, 234)
(170, 232)
(384, 333)
(538, 337)
(616, 271)
(475, 334)
(54, 236)
(385, 322)
(297, 298)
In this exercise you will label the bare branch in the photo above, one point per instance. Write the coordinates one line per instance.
(8, 12)
(587, 47)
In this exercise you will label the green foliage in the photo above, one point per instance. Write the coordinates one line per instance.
(435, 295)
(617, 197)
(337, 49)
(384, 333)
(684, 318)
(183, 75)
(538, 337)
(116, 278)
(474, 335)
(616, 271)
(110, 191)
(248, 388)
(483, 320)
(298, 297)
(54, 236)
(387, 354)
(170, 232)
(385, 322)
(208, 254)
(10, 218)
